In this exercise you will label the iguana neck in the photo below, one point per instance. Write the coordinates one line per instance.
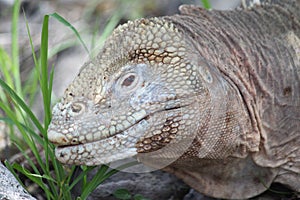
(257, 54)
(245, 47)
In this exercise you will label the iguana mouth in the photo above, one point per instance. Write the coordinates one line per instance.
(59, 145)
(61, 141)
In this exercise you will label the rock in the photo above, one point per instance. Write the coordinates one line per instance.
(10, 189)
(153, 185)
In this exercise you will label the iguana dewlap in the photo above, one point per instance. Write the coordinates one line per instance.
(211, 96)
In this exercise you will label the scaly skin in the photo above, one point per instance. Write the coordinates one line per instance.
(210, 96)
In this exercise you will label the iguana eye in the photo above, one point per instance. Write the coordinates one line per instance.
(129, 81)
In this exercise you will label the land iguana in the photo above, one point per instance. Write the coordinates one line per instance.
(211, 96)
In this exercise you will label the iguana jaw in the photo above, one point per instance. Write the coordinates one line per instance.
(118, 146)
(90, 154)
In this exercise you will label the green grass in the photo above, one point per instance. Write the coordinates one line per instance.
(25, 130)
(206, 4)
(51, 176)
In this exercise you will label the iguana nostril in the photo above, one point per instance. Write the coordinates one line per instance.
(77, 108)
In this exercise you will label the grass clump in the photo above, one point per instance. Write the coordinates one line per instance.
(51, 176)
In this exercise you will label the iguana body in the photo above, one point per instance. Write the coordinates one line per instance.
(211, 96)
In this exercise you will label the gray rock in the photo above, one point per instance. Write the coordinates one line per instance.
(10, 188)
(154, 185)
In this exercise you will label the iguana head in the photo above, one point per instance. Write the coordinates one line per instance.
(148, 92)
(138, 95)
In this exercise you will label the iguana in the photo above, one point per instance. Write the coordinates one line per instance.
(211, 96)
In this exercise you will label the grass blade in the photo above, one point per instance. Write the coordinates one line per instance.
(31, 84)
(35, 178)
(5, 65)
(27, 138)
(109, 27)
(206, 4)
(22, 104)
(11, 169)
(66, 23)
(15, 47)
(26, 128)
(44, 72)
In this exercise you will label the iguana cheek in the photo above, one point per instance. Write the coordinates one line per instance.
(161, 137)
